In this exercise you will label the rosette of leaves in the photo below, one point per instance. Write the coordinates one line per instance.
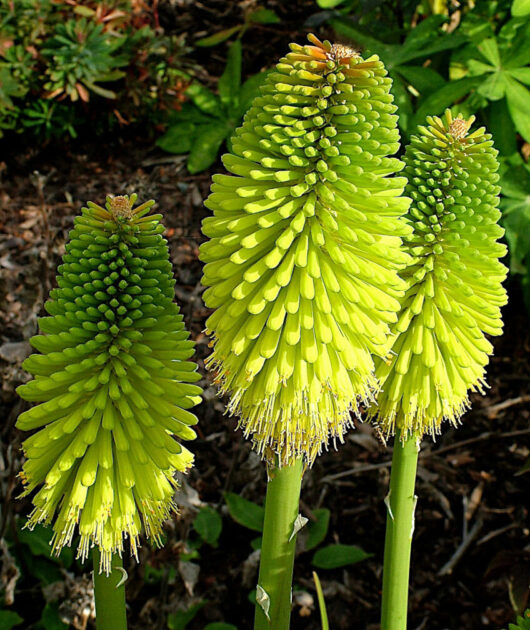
(80, 57)
(304, 250)
(454, 279)
(113, 385)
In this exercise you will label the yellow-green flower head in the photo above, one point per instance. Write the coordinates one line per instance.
(113, 385)
(455, 292)
(305, 244)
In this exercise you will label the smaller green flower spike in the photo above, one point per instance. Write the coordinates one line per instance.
(113, 385)
(455, 280)
(304, 250)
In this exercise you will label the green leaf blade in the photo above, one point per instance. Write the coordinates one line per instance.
(336, 556)
(245, 512)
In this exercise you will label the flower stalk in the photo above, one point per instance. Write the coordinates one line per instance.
(114, 387)
(401, 502)
(454, 293)
(109, 594)
(302, 271)
(278, 547)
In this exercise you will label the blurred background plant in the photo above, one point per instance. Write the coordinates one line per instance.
(64, 64)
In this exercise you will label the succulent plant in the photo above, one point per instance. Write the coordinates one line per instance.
(454, 279)
(113, 385)
(305, 248)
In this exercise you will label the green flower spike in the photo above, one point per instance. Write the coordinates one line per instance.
(304, 250)
(113, 385)
(455, 291)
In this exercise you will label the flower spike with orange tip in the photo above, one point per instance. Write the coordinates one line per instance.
(302, 271)
(304, 251)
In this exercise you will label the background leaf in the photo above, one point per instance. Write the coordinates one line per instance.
(230, 80)
(9, 619)
(206, 145)
(317, 530)
(205, 100)
(218, 625)
(335, 556)
(217, 38)
(208, 524)
(178, 138)
(245, 512)
(518, 98)
(263, 16)
(520, 8)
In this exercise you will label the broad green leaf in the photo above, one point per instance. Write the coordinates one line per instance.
(180, 619)
(335, 556)
(249, 90)
(230, 80)
(425, 80)
(501, 127)
(208, 524)
(520, 8)
(494, 87)
(516, 222)
(188, 113)
(50, 618)
(402, 100)
(423, 32)
(518, 98)
(515, 181)
(346, 29)
(317, 530)
(217, 625)
(447, 42)
(256, 543)
(218, 38)
(478, 68)
(329, 4)
(9, 619)
(521, 74)
(178, 138)
(38, 541)
(205, 100)
(263, 16)
(490, 51)
(245, 512)
(206, 145)
(444, 97)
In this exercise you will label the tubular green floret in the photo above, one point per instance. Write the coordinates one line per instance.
(454, 280)
(305, 248)
(113, 385)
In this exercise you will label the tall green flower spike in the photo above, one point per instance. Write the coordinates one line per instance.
(113, 385)
(454, 280)
(304, 250)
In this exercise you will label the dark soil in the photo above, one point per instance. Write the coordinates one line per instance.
(470, 492)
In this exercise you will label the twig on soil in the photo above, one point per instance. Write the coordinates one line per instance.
(493, 410)
(448, 567)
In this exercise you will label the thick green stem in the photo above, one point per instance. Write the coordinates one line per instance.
(399, 528)
(110, 601)
(278, 546)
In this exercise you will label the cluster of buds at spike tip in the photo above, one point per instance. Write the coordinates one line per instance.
(305, 248)
(113, 385)
(454, 280)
